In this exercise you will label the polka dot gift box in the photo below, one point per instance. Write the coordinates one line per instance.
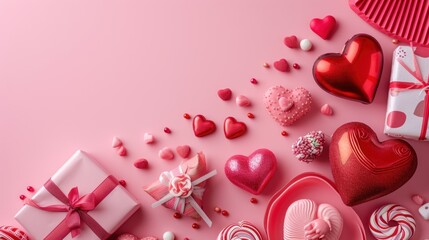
(408, 104)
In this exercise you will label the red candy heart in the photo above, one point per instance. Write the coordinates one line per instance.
(252, 173)
(353, 74)
(282, 65)
(405, 20)
(224, 94)
(323, 27)
(364, 168)
(203, 127)
(233, 129)
(291, 41)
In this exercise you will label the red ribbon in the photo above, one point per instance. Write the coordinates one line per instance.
(77, 208)
(405, 86)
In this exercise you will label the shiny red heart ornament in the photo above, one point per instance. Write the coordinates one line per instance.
(233, 129)
(202, 126)
(323, 27)
(364, 168)
(353, 74)
(251, 173)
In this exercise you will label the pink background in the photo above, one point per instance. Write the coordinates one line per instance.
(73, 74)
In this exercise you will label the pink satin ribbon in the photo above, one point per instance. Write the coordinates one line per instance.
(77, 208)
(406, 86)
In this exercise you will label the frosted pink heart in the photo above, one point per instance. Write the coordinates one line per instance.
(300, 97)
(183, 150)
(285, 103)
(166, 153)
(305, 220)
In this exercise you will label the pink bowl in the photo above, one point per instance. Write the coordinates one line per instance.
(319, 189)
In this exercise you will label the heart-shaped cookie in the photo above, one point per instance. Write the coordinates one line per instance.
(364, 168)
(203, 127)
(405, 20)
(286, 106)
(233, 129)
(353, 74)
(251, 173)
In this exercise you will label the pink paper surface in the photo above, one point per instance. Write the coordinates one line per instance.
(83, 172)
(74, 74)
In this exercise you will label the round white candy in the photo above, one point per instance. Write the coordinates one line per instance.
(305, 44)
(168, 236)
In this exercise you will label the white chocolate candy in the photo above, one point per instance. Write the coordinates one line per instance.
(424, 211)
(305, 45)
(168, 236)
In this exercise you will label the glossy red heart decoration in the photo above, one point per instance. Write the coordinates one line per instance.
(233, 129)
(251, 173)
(323, 27)
(202, 126)
(364, 168)
(405, 20)
(353, 74)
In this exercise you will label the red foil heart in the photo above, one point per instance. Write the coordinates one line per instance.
(203, 127)
(252, 173)
(353, 74)
(364, 168)
(233, 129)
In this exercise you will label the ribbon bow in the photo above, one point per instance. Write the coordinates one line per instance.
(422, 84)
(182, 192)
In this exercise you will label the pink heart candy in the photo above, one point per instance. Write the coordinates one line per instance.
(122, 151)
(116, 142)
(282, 65)
(323, 27)
(166, 153)
(291, 41)
(141, 163)
(224, 94)
(183, 151)
(148, 138)
(242, 101)
(277, 99)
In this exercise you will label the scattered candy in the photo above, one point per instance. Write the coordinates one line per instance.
(253, 81)
(309, 147)
(168, 236)
(141, 163)
(121, 151)
(195, 226)
(323, 27)
(22, 197)
(254, 200)
(305, 45)
(244, 230)
(225, 213)
(166, 153)
(167, 130)
(392, 221)
(242, 101)
(203, 127)
(395, 41)
(233, 128)
(224, 94)
(284, 133)
(218, 210)
(12, 233)
(424, 206)
(266, 65)
(30, 189)
(177, 215)
(418, 199)
(148, 138)
(116, 142)
(250, 115)
(327, 110)
(183, 151)
(186, 116)
(282, 65)
(123, 183)
(291, 41)
(296, 66)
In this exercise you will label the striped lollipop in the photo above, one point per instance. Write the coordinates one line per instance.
(243, 231)
(381, 219)
(12, 233)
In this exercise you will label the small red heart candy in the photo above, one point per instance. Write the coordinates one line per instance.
(251, 173)
(183, 151)
(323, 27)
(282, 65)
(233, 129)
(202, 126)
(224, 94)
(291, 41)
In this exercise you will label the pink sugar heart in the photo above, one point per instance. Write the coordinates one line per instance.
(282, 65)
(166, 153)
(116, 142)
(323, 27)
(122, 151)
(148, 138)
(141, 163)
(300, 97)
(326, 110)
(285, 104)
(242, 101)
(224, 94)
(183, 151)
(291, 41)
